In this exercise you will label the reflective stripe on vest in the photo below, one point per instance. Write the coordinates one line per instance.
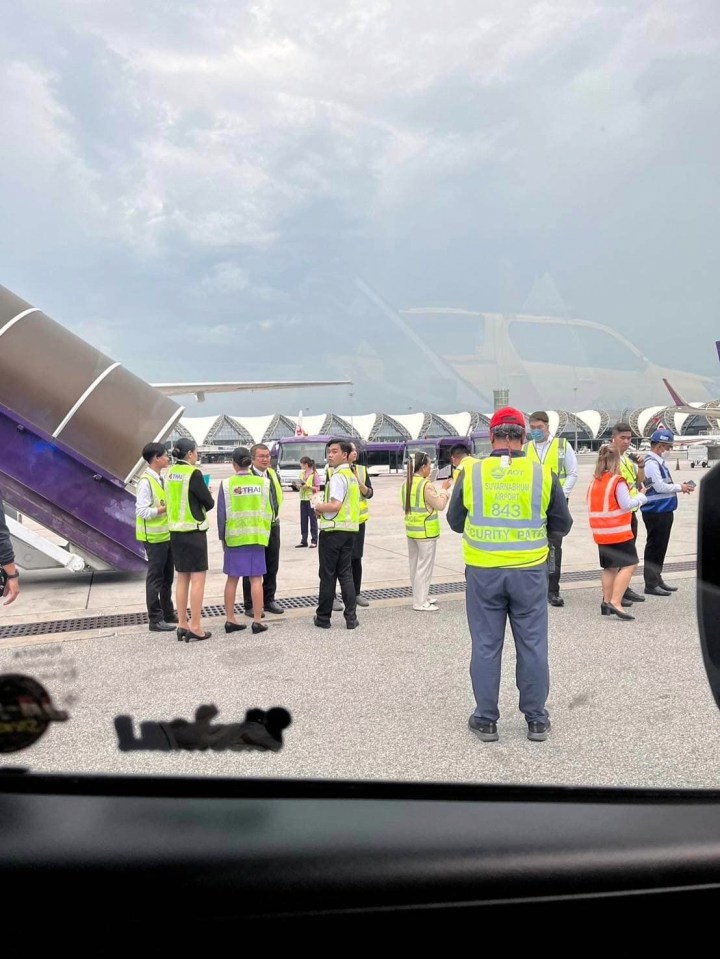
(248, 510)
(629, 472)
(362, 475)
(608, 521)
(177, 493)
(421, 522)
(554, 457)
(660, 502)
(506, 523)
(154, 530)
(348, 516)
(465, 463)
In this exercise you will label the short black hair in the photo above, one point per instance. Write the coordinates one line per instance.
(621, 428)
(343, 444)
(151, 450)
(459, 448)
(258, 446)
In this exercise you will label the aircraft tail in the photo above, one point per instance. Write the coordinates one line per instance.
(677, 399)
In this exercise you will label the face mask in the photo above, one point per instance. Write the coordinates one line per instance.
(537, 435)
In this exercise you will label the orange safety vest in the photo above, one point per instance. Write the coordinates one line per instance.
(608, 522)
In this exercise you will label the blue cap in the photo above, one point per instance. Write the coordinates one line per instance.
(662, 436)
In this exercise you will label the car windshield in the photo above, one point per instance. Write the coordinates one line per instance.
(241, 234)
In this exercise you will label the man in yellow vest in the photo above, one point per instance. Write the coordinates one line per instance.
(261, 467)
(460, 458)
(558, 454)
(151, 528)
(339, 521)
(507, 507)
(632, 470)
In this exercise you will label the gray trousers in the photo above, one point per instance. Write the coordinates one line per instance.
(492, 596)
(421, 556)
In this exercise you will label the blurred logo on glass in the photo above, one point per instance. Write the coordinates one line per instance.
(26, 711)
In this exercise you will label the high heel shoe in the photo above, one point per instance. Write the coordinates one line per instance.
(234, 627)
(191, 637)
(605, 609)
(181, 633)
(619, 612)
(259, 628)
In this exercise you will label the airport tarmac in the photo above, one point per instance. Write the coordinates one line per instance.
(630, 703)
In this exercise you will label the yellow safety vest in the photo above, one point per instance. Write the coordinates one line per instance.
(465, 462)
(348, 516)
(554, 458)
(248, 510)
(177, 490)
(506, 522)
(629, 472)
(154, 530)
(421, 522)
(306, 486)
(273, 477)
(364, 507)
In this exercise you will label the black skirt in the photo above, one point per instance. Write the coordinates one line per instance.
(190, 551)
(618, 555)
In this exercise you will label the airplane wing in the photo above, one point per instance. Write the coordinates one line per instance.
(200, 389)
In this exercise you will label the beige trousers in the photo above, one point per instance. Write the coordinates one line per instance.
(421, 554)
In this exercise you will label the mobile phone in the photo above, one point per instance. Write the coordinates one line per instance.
(444, 473)
(691, 483)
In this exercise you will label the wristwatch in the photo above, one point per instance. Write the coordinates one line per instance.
(14, 575)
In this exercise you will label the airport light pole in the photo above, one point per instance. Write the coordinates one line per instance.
(575, 416)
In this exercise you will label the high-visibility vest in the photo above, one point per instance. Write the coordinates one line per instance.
(629, 472)
(348, 516)
(177, 491)
(273, 477)
(306, 485)
(422, 522)
(156, 529)
(464, 463)
(659, 502)
(248, 510)
(609, 522)
(554, 457)
(362, 475)
(506, 522)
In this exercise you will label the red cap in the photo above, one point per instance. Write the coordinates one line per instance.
(507, 416)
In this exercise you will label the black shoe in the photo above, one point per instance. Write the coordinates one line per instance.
(301, 545)
(555, 599)
(321, 623)
(605, 609)
(625, 603)
(353, 623)
(485, 731)
(656, 591)
(538, 732)
(670, 589)
(161, 627)
(274, 607)
(633, 596)
(618, 612)
(172, 618)
(181, 633)
(259, 628)
(234, 627)
(249, 612)
(190, 637)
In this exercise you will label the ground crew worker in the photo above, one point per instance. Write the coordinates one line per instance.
(460, 458)
(339, 521)
(366, 493)
(507, 507)
(633, 472)
(558, 454)
(261, 467)
(421, 502)
(151, 529)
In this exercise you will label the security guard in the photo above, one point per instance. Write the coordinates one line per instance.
(151, 528)
(558, 454)
(507, 507)
(339, 520)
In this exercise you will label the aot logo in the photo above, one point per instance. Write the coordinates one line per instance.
(498, 473)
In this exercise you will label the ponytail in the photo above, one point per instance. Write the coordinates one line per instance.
(413, 465)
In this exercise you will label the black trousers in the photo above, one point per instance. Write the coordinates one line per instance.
(308, 518)
(335, 557)
(272, 562)
(357, 555)
(158, 584)
(554, 577)
(658, 526)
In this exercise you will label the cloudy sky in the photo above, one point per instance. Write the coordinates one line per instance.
(194, 187)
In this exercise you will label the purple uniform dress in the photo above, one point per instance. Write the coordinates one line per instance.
(239, 560)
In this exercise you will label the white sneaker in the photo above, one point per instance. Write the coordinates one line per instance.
(427, 608)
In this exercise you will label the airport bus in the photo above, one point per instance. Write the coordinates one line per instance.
(384, 457)
(438, 448)
(286, 453)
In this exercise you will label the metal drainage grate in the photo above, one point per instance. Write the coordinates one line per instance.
(290, 602)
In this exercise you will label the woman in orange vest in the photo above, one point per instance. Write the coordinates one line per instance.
(611, 506)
